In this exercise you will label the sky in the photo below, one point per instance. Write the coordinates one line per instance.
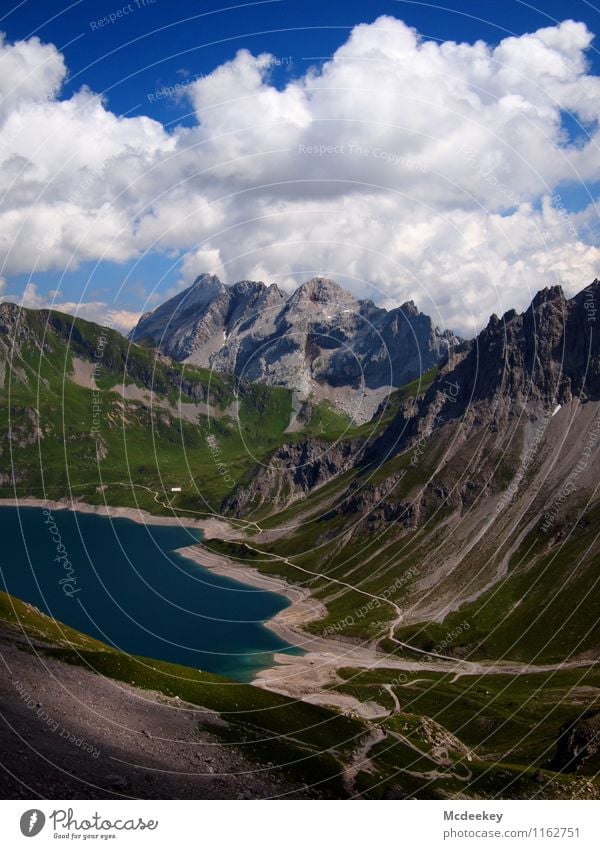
(446, 154)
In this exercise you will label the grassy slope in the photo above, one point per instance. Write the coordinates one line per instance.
(523, 617)
(145, 445)
(543, 624)
(318, 540)
(544, 610)
(498, 730)
(501, 730)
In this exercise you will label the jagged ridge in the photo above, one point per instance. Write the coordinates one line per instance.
(320, 341)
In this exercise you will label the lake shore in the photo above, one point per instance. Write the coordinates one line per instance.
(286, 624)
(312, 676)
(211, 527)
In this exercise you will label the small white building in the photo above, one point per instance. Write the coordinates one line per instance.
(175, 489)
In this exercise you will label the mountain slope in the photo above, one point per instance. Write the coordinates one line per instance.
(477, 502)
(472, 493)
(149, 729)
(84, 412)
(458, 530)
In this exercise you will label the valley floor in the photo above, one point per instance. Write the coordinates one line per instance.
(413, 724)
(312, 676)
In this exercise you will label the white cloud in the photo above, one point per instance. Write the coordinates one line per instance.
(29, 72)
(405, 168)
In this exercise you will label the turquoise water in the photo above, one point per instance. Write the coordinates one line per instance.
(123, 583)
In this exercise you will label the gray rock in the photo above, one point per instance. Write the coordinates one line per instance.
(292, 472)
(319, 341)
(530, 362)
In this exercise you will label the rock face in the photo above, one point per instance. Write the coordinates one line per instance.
(292, 472)
(503, 386)
(320, 340)
(530, 362)
(502, 448)
(578, 744)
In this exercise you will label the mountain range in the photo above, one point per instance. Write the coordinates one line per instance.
(485, 477)
(454, 530)
(319, 341)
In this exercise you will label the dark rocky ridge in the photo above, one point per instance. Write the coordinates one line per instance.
(534, 361)
(293, 470)
(486, 484)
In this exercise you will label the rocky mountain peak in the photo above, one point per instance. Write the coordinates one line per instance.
(204, 289)
(409, 308)
(549, 293)
(320, 341)
(540, 355)
(589, 300)
(521, 363)
(248, 287)
(321, 290)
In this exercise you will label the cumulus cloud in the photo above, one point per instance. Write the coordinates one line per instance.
(29, 70)
(403, 167)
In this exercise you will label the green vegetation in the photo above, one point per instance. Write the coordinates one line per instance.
(69, 438)
(21, 617)
(545, 610)
(477, 735)
(326, 422)
(125, 442)
(473, 736)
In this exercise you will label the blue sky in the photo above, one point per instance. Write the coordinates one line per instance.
(152, 49)
(148, 48)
